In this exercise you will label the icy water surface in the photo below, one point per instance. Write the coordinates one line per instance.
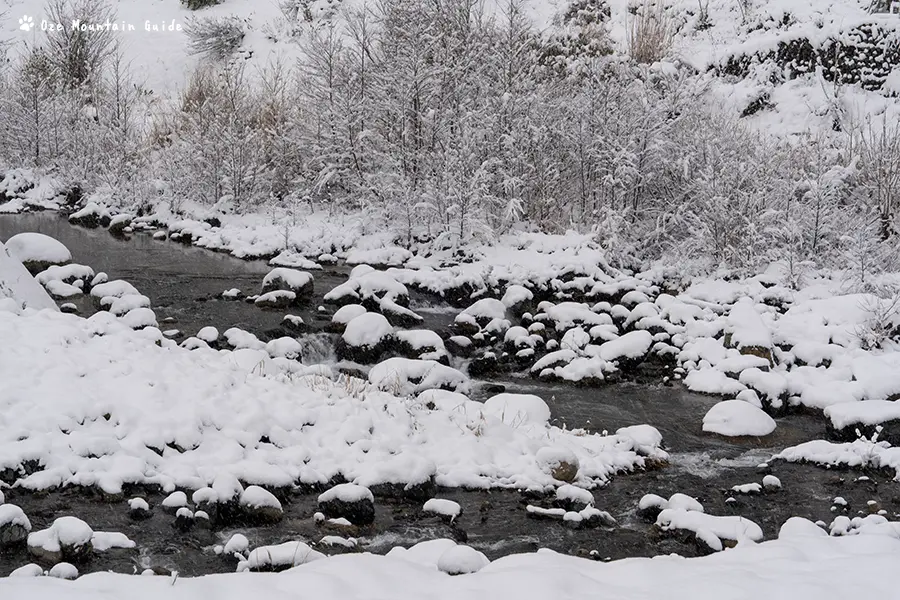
(184, 282)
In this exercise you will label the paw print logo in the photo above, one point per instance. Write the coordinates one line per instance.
(26, 23)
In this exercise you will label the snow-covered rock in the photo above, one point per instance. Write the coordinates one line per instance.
(300, 283)
(349, 501)
(37, 251)
(68, 538)
(445, 508)
(14, 525)
(63, 571)
(737, 418)
(18, 286)
(279, 557)
(365, 338)
(260, 505)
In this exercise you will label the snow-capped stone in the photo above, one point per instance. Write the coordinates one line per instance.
(68, 538)
(276, 300)
(731, 528)
(365, 338)
(483, 311)
(573, 498)
(174, 501)
(462, 560)
(349, 501)
(298, 282)
(37, 251)
(208, 334)
(260, 505)
(445, 508)
(278, 557)
(237, 544)
(738, 418)
(138, 509)
(561, 463)
(771, 483)
(347, 313)
(800, 527)
(14, 525)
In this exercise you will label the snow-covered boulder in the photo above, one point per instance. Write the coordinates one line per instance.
(368, 287)
(561, 463)
(421, 343)
(650, 505)
(138, 509)
(93, 215)
(68, 538)
(300, 283)
(482, 312)
(14, 525)
(573, 498)
(738, 418)
(344, 315)
(260, 506)
(447, 509)
(848, 420)
(18, 286)
(349, 501)
(365, 338)
(747, 332)
(405, 377)
(276, 300)
(709, 530)
(174, 501)
(70, 273)
(37, 251)
(279, 557)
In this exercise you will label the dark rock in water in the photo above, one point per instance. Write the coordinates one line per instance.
(460, 346)
(139, 512)
(494, 388)
(276, 300)
(118, 226)
(889, 432)
(294, 324)
(419, 492)
(213, 222)
(364, 354)
(184, 520)
(483, 365)
(69, 308)
(12, 534)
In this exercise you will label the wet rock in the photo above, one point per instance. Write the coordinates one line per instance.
(120, 225)
(349, 501)
(460, 346)
(184, 520)
(485, 364)
(418, 492)
(294, 324)
(276, 300)
(14, 525)
(174, 502)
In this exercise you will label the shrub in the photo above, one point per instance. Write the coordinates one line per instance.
(216, 37)
(650, 32)
(198, 4)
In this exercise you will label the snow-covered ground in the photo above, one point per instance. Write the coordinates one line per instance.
(804, 563)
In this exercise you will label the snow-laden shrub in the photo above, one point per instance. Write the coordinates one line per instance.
(215, 37)
(198, 4)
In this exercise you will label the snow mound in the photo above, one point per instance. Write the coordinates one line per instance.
(732, 528)
(461, 560)
(738, 418)
(347, 492)
(518, 409)
(406, 376)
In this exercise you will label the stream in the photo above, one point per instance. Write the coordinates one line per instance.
(184, 285)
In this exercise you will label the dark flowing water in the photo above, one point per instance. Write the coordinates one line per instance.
(184, 283)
